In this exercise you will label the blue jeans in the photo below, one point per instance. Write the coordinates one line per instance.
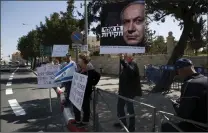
(130, 109)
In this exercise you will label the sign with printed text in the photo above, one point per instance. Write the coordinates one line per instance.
(84, 48)
(77, 91)
(116, 36)
(60, 50)
(46, 75)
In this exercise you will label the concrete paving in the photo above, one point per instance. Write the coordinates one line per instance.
(25, 107)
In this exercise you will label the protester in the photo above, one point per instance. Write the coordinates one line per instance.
(92, 80)
(129, 87)
(192, 104)
(67, 84)
(56, 62)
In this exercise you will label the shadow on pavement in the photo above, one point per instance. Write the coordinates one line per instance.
(107, 111)
(29, 80)
(38, 116)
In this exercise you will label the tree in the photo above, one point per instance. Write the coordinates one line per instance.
(183, 11)
(29, 45)
(58, 27)
(197, 36)
(158, 46)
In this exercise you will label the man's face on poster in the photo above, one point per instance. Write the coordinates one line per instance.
(133, 19)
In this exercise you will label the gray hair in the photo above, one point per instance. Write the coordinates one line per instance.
(132, 3)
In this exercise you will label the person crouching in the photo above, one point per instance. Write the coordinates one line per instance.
(93, 79)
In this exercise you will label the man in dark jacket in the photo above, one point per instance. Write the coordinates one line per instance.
(192, 103)
(86, 68)
(129, 87)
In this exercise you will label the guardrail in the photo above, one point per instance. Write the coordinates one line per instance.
(153, 74)
(155, 112)
(97, 123)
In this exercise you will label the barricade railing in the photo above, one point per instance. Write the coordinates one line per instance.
(152, 73)
(97, 123)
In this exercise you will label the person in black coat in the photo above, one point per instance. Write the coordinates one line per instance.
(129, 87)
(93, 79)
(192, 103)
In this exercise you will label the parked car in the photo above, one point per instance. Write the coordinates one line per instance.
(6, 68)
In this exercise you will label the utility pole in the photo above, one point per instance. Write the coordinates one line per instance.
(86, 22)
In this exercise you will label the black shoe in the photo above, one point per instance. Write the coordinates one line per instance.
(131, 130)
(117, 125)
(81, 125)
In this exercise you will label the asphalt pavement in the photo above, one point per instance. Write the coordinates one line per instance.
(26, 108)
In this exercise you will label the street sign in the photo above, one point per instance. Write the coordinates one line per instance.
(84, 48)
(77, 37)
(74, 46)
(45, 50)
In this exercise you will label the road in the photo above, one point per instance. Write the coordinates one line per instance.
(24, 107)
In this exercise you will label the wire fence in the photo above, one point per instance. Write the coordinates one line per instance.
(104, 114)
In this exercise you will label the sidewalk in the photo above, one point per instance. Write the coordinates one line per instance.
(144, 114)
(107, 113)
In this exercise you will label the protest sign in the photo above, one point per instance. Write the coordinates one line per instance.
(60, 50)
(123, 27)
(46, 75)
(77, 91)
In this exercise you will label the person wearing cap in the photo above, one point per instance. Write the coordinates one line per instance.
(192, 103)
(133, 21)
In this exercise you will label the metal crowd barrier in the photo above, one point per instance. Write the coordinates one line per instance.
(97, 123)
(153, 74)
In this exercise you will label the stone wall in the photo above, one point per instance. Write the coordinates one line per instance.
(110, 65)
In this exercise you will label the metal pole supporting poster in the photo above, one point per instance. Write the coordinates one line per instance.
(50, 102)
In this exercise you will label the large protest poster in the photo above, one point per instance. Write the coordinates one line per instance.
(60, 50)
(123, 27)
(77, 91)
(46, 75)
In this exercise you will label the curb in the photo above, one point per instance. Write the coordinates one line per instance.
(67, 113)
(34, 72)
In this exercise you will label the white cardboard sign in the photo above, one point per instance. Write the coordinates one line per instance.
(46, 75)
(77, 91)
(60, 50)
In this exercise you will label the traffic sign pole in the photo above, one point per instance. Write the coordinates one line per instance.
(86, 23)
(77, 38)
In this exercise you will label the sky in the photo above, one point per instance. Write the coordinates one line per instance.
(31, 13)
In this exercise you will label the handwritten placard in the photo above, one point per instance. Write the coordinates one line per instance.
(78, 87)
(46, 75)
(60, 50)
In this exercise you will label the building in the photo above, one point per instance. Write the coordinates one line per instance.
(93, 44)
(16, 57)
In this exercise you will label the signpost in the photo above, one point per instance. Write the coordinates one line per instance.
(77, 39)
